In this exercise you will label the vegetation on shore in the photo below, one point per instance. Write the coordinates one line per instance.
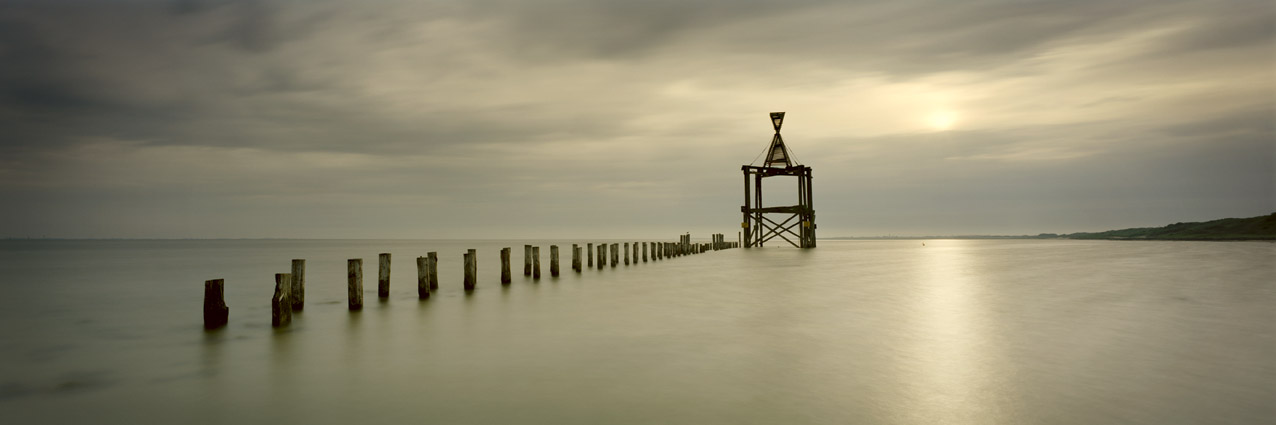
(1262, 227)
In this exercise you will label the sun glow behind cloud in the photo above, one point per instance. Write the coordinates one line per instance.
(941, 120)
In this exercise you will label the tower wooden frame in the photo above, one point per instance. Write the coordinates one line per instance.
(759, 226)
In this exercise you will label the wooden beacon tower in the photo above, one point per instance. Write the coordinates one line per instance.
(758, 226)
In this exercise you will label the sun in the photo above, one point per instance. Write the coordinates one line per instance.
(941, 120)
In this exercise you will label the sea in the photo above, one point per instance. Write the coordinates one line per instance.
(851, 332)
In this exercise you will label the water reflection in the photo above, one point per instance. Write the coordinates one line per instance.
(211, 351)
(949, 364)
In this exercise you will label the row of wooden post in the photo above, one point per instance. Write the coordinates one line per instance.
(290, 288)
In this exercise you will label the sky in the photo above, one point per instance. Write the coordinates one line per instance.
(628, 119)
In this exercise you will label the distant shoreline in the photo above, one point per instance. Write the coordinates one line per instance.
(1260, 228)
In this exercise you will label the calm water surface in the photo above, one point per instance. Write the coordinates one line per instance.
(875, 332)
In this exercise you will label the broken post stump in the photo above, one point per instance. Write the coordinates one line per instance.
(434, 270)
(553, 260)
(354, 275)
(423, 278)
(576, 258)
(298, 292)
(505, 266)
(527, 260)
(281, 303)
(471, 270)
(216, 314)
(383, 275)
(536, 262)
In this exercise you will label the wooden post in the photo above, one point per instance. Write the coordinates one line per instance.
(536, 262)
(644, 252)
(602, 255)
(281, 303)
(298, 290)
(615, 254)
(589, 250)
(505, 266)
(527, 260)
(216, 314)
(553, 260)
(635, 252)
(383, 275)
(576, 258)
(471, 269)
(626, 253)
(354, 275)
(434, 270)
(423, 278)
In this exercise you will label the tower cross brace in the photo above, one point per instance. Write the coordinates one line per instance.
(758, 225)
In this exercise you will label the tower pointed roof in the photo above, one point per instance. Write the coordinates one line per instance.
(778, 155)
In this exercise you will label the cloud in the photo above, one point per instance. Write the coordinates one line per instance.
(554, 106)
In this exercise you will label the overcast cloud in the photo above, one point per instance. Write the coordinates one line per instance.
(621, 118)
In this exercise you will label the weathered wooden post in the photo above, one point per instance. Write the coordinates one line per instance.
(281, 303)
(527, 260)
(626, 253)
(216, 314)
(434, 270)
(354, 277)
(383, 275)
(471, 270)
(589, 250)
(644, 252)
(553, 260)
(615, 254)
(576, 258)
(505, 266)
(298, 291)
(602, 255)
(635, 252)
(536, 262)
(423, 278)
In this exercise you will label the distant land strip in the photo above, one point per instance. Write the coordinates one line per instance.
(1258, 228)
